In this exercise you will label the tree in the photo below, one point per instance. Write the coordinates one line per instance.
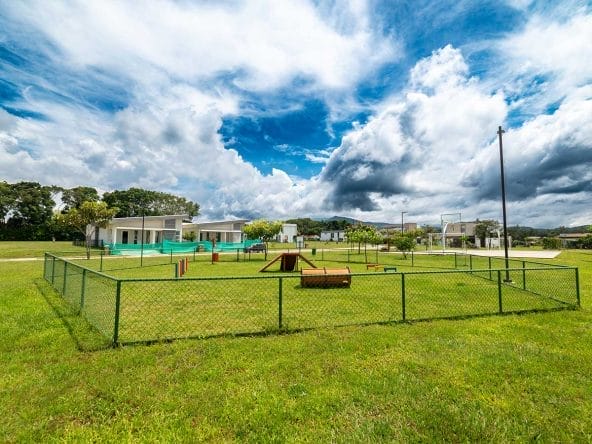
(586, 242)
(6, 200)
(264, 230)
(87, 218)
(75, 197)
(405, 242)
(189, 236)
(551, 243)
(137, 202)
(484, 229)
(363, 234)
(27, 208)
(307, 226)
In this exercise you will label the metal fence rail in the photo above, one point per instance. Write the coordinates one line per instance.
(93, 294)
(143, 310)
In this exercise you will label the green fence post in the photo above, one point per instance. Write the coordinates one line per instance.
(403, 295)
(280, 304)
(65, 278)
(194, 250)
(578, 287)
(117, 304)
(82, 289)
(45, 267)
(499, 290)
(322, 254)
(489, 261)
(471, 262)
(524, 275)
(348, 255)
(53, 270)
(455, 260)
(171, 256)
(376, 255)
(412, 259)
(101, 266)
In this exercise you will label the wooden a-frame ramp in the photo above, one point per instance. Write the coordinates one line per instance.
(289, 262)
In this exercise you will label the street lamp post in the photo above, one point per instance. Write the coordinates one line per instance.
(500, 131)
(142, 245)
(402, 224)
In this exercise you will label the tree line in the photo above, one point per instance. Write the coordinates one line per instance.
(31, 211)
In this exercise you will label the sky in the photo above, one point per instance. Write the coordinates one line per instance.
(293, 108)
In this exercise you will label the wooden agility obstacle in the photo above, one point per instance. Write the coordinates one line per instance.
(325, 277)
(289, 262)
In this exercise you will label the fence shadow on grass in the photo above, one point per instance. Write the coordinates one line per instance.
(86, 337)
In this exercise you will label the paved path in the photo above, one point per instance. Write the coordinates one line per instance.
(21, 259)
(538, 254)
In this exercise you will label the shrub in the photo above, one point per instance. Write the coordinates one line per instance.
(551, 243)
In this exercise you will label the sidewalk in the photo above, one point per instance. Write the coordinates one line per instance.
(537, 254)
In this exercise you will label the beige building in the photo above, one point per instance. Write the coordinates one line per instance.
(128, 230)
(156, 229)
(220, 231)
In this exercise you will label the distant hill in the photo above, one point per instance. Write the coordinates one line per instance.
(357, 221)
(516, 228)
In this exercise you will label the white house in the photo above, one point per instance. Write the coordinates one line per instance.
(288, 233)
(219, 231)
(128, 230)
(333, 236)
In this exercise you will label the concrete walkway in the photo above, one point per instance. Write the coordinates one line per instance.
(21, 259)
(536, 254)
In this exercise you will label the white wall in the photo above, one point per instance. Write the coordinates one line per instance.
(335, 236)
(288, 233)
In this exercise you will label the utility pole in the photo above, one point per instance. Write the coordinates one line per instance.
(500, 131)
(402, 224)
(142, 245)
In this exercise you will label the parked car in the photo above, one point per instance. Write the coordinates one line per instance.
(255, 248)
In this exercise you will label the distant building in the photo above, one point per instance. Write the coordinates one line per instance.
(288, 233)
(407, 226)
(460, 229)
(569, 239)
(128, 230)
(220, 231)
(333, 236)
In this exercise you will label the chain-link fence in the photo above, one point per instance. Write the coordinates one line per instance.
(93, 294)
(455, 260)
(142, 310)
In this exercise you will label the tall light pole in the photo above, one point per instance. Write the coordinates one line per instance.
(500, 131)
(402, 225)
(142, 246)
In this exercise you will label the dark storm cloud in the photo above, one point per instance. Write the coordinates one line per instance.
(564, 170)
(354, 180)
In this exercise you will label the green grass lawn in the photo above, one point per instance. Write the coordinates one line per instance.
(9, 250)
(156, 309)
(510, 378)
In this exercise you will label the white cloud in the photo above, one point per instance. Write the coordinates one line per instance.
(429, 149)
(266, 43)
(446, 68)
(548, 59)
(417, 146)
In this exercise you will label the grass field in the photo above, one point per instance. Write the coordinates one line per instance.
(510, 378)
(212, 299)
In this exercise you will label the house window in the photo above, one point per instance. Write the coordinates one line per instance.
(169, 223)
(124, 237)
